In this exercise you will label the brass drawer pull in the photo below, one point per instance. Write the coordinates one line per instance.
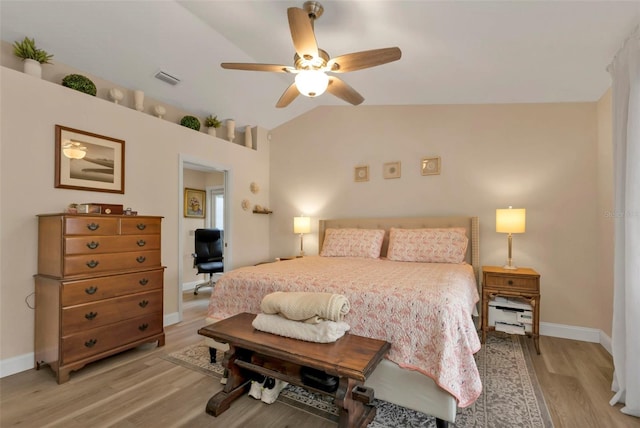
(90, 343)
(93, 226)
(143, 303)
(143, 327)
(93, 263)
(141, 259)
(91, 315)
(143, 281)
(93, 245)
(141, 242)
(91, 290)
(141, 226)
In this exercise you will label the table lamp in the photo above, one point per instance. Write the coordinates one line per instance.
(510, 221)
(301, 225)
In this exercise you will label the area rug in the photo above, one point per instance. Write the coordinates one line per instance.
(511, 394)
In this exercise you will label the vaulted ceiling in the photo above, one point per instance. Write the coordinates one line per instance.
(452, 52)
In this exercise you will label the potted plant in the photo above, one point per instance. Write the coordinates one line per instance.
(191, 122)
(80, 83)
(33, 57)
(213, 123)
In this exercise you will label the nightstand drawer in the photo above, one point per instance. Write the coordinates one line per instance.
(519, 282)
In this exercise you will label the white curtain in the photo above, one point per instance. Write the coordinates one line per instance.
(625, 72)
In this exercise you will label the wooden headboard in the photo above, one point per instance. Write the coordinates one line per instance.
(469, 223)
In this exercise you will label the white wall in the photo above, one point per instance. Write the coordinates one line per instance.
(541, 157)
(29, 110)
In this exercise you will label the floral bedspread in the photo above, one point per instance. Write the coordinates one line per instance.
(423, 309)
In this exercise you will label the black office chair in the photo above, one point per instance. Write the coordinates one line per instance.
(208, 256)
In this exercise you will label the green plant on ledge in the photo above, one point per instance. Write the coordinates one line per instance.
(26, 49)
(80, 83)
(191, 122)
(212, 122)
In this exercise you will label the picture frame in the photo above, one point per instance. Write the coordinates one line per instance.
(391, 170)
(361, 173)
(195, 203)
(88, 161)
(430, 166)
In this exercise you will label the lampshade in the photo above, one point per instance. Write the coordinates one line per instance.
(312, 83)
(510, 220)
(301, 224)
(74, 150)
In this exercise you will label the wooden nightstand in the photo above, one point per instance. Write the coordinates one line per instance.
(523, 283)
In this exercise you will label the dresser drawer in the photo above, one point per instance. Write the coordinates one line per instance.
(97, 340)
(95, 263)
(97, 314)
(91, 226)
(110, 244)
(507, 282)
(91, 290)
(138, 225)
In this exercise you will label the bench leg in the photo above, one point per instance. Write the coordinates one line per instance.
(237, 384)
(441, 423)
(355, 403)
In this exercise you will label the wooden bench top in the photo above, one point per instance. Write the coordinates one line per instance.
(350, 356)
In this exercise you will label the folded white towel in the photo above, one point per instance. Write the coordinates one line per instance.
(308, 307)
(323, 332)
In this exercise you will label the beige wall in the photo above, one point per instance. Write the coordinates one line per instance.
(29, 110)
(193, 180)
(542, 157)
(603, 316)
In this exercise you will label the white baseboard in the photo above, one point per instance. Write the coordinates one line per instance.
(583, 334)
(17, 364)
(171, 319)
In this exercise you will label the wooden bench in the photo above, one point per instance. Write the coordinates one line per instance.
(351, 358)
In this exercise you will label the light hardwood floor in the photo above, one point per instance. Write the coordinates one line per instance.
(139, 389)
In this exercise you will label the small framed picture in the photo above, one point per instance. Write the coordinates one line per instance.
(391, 170)
(430, 166)
(361, 173)
(194, 203)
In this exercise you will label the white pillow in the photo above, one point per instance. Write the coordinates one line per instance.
(440, 245)
(364, 243)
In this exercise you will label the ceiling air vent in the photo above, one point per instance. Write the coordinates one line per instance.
(166, 77)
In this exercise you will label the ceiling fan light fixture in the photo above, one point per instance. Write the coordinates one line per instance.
(312, 83)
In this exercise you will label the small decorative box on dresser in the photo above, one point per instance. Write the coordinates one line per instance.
(99, 288)
(522, 283)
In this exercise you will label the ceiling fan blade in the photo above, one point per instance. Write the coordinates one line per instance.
(257, 67)
(304, 40)
(365, 59)
(288, 96)
(343, 91)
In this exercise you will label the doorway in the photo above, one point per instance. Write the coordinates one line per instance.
(214, 180)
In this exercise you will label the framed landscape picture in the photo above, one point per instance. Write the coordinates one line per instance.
(88, 161)
(194, 203)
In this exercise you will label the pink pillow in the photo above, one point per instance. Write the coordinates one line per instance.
(364, 243)
(446, 245)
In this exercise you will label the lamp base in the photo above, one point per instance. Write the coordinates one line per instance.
(510, 267)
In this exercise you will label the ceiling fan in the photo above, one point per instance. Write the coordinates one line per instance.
(311, 64)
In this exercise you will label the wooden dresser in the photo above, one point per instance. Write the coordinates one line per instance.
(99, 288)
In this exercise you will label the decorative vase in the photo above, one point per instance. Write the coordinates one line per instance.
(138, 99)
(116, 95)
(211, 131)
(160, 111)
(32, 68)
(231, 129)
(248, 141)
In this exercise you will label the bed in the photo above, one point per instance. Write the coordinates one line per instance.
(423, 308)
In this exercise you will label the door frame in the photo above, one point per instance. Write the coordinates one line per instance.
(185, 162)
